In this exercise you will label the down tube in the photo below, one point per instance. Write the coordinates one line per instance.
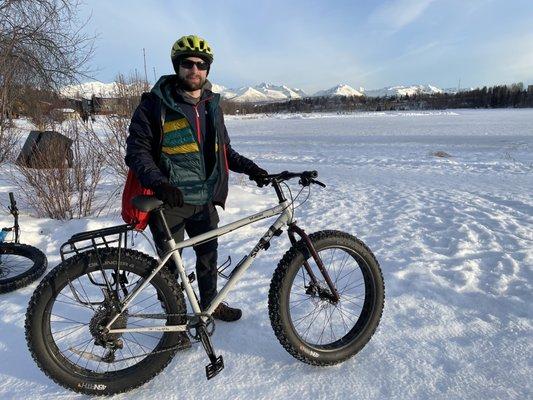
(241, 268)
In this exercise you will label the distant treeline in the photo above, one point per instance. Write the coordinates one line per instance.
(503, 96)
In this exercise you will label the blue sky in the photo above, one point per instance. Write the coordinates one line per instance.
(315, 45)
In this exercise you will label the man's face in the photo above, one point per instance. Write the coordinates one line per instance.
(191, 78)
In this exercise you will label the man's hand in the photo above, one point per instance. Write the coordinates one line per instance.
(169, 194)
(258, 175)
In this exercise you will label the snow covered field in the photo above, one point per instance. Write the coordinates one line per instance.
(453, 235)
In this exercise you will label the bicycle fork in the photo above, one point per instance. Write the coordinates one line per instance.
(293, 228)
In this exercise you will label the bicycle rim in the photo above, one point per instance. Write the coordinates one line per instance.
(73, 319)
(13, 266)
(317, 320)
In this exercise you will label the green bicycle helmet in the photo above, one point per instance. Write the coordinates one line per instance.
(191, 45)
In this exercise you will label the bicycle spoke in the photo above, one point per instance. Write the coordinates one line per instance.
(301, 319)
(64, 336)
(342, 318)
(67, 319)
(325, 325)
(345, 311)
(314, 318)
(142, 301)
(311, 324)
(351, 285)
(352, 303)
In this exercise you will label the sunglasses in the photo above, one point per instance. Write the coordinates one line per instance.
(188, 64)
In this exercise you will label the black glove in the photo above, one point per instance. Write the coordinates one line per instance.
(259, 175)
(169, 194)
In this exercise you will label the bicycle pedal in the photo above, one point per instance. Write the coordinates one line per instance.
(212, 370)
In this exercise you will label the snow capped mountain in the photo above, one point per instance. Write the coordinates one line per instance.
(339, 90)
(282, 92)
(86, 90)
(392, 91)
(224, 92)
(249, 94)
(263, 92)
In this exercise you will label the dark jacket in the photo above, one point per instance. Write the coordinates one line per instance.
(143, 145)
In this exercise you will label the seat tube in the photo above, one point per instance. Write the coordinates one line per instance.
(176, 257)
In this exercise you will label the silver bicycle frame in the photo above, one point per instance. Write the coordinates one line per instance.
(286, 216)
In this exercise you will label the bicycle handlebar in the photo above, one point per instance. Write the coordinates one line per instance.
(306, 177)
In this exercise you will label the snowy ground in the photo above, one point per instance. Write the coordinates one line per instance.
(454, 237)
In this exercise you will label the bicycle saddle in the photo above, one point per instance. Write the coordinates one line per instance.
(146, 203)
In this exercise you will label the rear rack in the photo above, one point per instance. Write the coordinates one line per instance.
(97, 238)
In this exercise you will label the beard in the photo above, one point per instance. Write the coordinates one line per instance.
(191, 81)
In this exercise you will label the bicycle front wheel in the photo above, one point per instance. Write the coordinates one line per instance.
(20, 265)
(307, 321)
(70, 307)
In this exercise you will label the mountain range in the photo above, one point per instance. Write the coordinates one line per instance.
(266, 92)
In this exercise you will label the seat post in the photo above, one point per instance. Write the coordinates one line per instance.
(166, 229)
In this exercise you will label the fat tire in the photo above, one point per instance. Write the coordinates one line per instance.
(35, 271)
(279, 297)
(117, 381)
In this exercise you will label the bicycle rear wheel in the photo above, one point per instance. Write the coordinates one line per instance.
(20, 265)
(71, 305)
(309, 324)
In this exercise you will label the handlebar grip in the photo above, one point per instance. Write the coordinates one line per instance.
(318, 183)
(12, 199)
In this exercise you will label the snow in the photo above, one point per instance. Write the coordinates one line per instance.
(454, 237)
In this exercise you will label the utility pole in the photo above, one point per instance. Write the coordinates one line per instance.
(155, 76)
(144, 57)
(459, 86)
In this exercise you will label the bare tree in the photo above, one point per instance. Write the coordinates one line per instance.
(57, 189)
(43, 46)
(9, 139)
(129, 90)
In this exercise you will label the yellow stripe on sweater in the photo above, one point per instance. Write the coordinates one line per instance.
(175, 125)
(184, 148)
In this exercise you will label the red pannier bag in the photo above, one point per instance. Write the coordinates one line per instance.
(130, 214)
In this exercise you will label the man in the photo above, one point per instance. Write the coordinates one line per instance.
(179, 147)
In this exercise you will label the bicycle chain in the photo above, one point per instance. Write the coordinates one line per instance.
(155, 316)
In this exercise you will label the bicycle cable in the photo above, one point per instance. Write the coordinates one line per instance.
(306, 198)
(293, 199)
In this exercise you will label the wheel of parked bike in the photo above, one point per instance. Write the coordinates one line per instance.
(72, 304)
(20, 265)
(306, 319)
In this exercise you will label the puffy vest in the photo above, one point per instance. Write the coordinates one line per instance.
(182, 158)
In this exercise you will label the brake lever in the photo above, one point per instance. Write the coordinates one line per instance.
(305, 181)
(318, 183)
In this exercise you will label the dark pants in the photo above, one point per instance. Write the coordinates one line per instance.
(195, 220)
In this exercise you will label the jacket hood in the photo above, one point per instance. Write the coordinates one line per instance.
(166, 89)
